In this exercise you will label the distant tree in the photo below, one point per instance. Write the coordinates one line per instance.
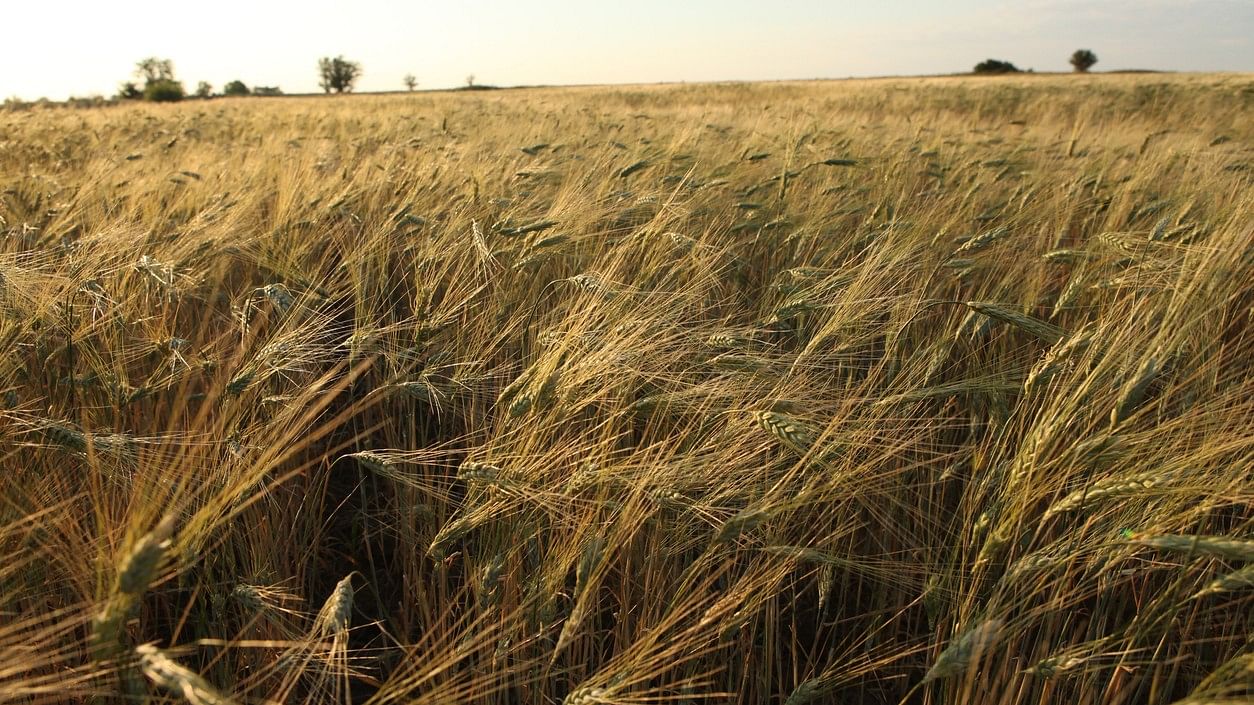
(338, 74)
(235, 88)
(1082, 60)
(204, 90)
(129, 91)
(470, 81)
(153, 69)
(410, 82)
(267, 90)
(995, 66)
(159, 83)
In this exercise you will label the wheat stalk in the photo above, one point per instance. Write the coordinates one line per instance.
(982, 385)
(1070, 293)
(1113, 488)
(587, 695)
(570, 629)
(1045, 331)
(1068, 256)
(826, 582)
(137, 570)
(789, 431)
(1134, 390)
(1239, 579)
(725, 341)
(1058, 358)
(481, 473)
(451, 532)
(982, 241)
(490, 579)
(337, 611)
(746, 520)
(1221, 546)
(807, 692)
(963, 651)
(1054, 666)
(589, 561)
(1033, 563)
(798, 553)
(373, 461)
(178, 680)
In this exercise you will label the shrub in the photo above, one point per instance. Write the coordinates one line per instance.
(129, 91)
(235, 88)
(86, 101)
(164, 91)
(995, 66)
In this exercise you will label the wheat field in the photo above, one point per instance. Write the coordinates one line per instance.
(891, 391)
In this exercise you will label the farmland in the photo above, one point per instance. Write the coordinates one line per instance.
(909, 390)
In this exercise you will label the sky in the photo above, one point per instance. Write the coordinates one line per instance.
(59, 48)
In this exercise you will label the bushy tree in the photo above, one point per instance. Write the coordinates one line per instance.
(995, 66)
(235, 88)
(1082, 60)
(204, 90)
(410, 81)
(153, 69)
(338, 74)
(159, 83)
(130, 91)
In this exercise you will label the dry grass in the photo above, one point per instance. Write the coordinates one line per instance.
(886, 391)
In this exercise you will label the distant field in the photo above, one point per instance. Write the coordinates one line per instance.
(893, 391)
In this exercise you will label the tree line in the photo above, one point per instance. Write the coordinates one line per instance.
(157, 83)
(339, 75)
(160, 85)
(1081, 61)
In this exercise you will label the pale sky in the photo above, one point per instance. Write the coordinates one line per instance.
(58, 48)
